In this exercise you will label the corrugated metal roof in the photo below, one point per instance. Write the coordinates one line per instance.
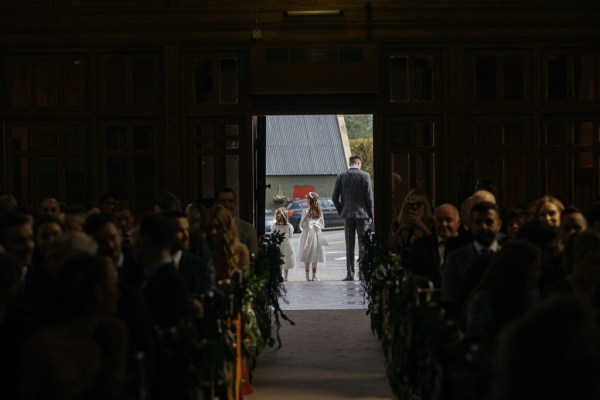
(304, 145)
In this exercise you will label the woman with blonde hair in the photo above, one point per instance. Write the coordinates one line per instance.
(312, 239)
(228, 253)
(415, 221)
(548, 210)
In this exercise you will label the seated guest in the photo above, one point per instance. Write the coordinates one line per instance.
(107, 203)
(125, 220)
(166, 296)
(83, 354)
(74, 218)
(583, 261)
(506, 291)
(198, 274)
(163, 289)
(229, 254)
(16, 236)
(572, 221)
(103, 229)
(198, 246)
(36, 288)
(551, 354)
(8, 204)
(63, 248)
(593, 217)
(512, 223)
(465, 236)
(92, 207)
(246, 233)
(50, 206)
(545, 237)
(414, 221)
(16, 324)
(427, 254)
(549, 209)
(131, 308)
(485, 224)
(165, 201)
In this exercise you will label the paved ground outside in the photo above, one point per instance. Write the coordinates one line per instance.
(324, 295)
(334, 268)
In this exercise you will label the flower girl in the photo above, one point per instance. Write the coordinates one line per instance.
(312, 240)
(283, 226)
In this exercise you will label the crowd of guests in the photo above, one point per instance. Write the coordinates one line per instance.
(522, 284)
(86, 291)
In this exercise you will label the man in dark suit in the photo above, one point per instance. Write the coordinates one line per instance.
(353, 199)
(427, 254)
(465, 236)
(485, 224)
(164, 290)
(125, 219)
(166, 296)
(104, 230)
(131, 307)
(198, 273)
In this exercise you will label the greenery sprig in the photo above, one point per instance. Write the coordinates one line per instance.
(413, 330)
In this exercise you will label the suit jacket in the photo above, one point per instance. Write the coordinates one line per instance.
(167, 297)
(247, 235)
(130, 273)
(198, 274)
(464, 238)
(132, 310)
(353, 194)
(455, 266)
(425, 258)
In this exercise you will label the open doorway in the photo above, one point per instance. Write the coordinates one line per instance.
(303, 154)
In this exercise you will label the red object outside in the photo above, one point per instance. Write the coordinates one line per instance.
(300, 192)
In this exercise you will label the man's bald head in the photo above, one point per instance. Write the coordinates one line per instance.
(484, 195)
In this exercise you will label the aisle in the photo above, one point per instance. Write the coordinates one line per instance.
(328, 354)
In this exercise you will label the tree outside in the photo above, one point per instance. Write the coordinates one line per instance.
(359, 126)
(364, 148)
(360, 135)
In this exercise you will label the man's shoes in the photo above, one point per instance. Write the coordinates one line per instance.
(348, 278)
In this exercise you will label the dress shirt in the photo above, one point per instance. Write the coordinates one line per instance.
(121, 260)
(494, 247)
(441, 249)
(177, 258)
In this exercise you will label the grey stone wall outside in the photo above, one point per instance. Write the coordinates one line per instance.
(323, 185)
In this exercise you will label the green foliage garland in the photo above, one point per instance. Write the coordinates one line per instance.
(412, 329)
(203, 351)
(268, 265)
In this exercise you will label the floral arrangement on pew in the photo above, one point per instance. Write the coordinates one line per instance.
(413, 330)
(268, 265)
(206, 350)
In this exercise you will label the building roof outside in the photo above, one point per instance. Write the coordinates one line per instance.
(304, 145)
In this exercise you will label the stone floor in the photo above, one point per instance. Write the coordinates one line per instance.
(330, 352)
(326, 355)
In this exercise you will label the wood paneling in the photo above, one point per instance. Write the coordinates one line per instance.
(175, 65)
